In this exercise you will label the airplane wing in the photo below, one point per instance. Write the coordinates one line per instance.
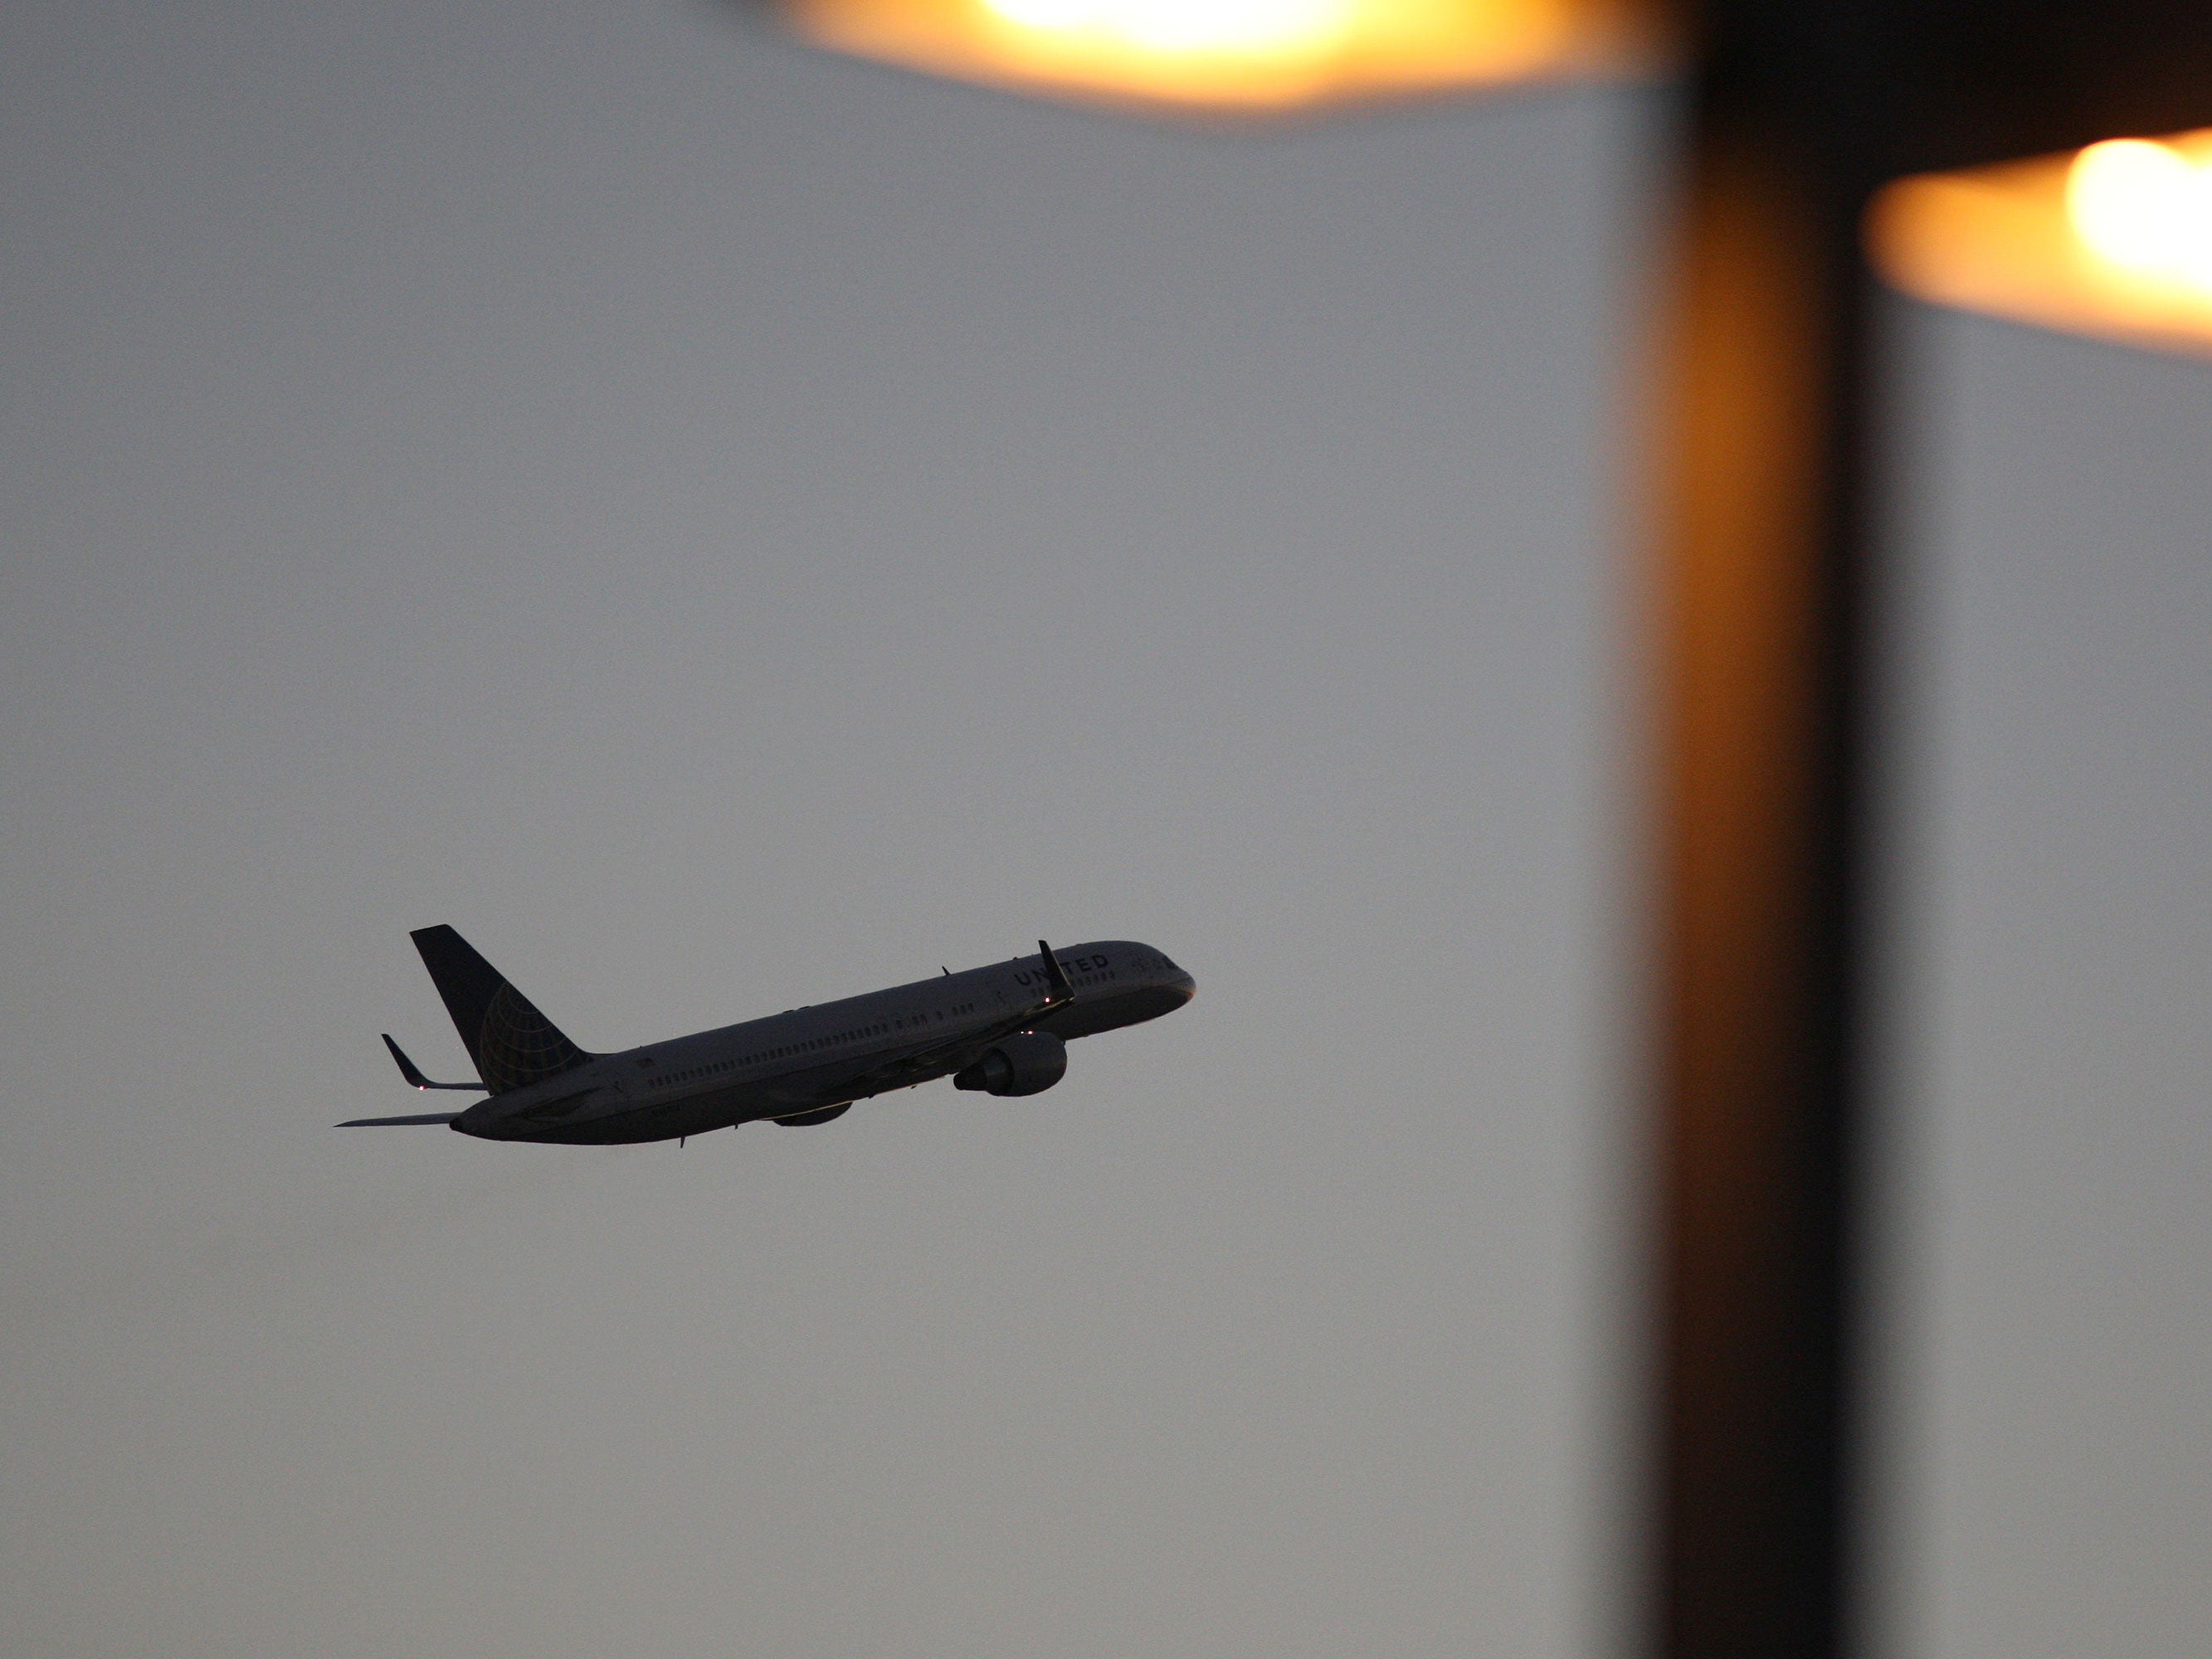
(389, 1122)
(932, 1059)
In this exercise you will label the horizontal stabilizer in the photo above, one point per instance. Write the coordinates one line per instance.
(387, 1122)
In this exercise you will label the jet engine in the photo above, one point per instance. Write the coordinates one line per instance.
(1026, 1063)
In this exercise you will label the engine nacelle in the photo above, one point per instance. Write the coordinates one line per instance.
(1026, 1063)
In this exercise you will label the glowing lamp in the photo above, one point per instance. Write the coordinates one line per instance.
(1230, 55)
(2114, 239)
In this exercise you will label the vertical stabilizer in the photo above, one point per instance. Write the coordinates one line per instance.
(510, 1040)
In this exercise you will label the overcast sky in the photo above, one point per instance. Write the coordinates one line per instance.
(727, 528)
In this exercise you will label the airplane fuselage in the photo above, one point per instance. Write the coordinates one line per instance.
(808, 1063)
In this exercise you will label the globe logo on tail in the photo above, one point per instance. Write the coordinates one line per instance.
(518, 1045)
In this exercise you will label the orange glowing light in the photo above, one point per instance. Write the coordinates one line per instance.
(2115, 239)
(1232, 55)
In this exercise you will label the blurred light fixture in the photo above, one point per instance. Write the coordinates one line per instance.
(2115, 239)
(1231, 56)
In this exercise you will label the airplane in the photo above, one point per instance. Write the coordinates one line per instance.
(1001, 1030)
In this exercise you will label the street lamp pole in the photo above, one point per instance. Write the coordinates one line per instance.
(1766, 540)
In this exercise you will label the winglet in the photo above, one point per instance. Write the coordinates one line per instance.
(408, 1071)
(1056, 976)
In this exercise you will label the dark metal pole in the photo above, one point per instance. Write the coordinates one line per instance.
(1765, 553)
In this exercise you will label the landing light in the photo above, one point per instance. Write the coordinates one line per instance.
(1253, 56)
(2115, 239)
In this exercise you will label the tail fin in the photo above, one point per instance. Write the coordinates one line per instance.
(510, 1040)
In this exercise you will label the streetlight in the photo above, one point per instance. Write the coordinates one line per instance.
(2113, 240)
(1230, 57)
(1807, 128)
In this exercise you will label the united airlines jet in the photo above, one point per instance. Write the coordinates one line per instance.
(1003, 1029)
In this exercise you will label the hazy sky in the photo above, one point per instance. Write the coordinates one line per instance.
(726, 528)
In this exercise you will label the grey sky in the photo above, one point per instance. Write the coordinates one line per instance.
(2056, 1245)
(727, 528)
